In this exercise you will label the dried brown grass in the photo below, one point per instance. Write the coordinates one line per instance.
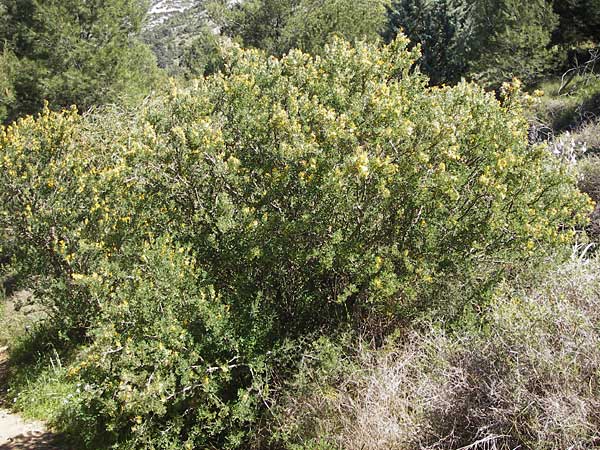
(526, 375)
(589, 182)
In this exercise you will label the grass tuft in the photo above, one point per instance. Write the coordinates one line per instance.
(572, 108)
(525, 374)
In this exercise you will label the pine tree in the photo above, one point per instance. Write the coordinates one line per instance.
(511, 38)
(487, 40)
(76, 52)
(8, 66)
(314, 22)
(439, 26)
(579, 21)
(256, 23)
(277, 26)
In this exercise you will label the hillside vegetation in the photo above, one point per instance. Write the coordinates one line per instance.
(314, 236)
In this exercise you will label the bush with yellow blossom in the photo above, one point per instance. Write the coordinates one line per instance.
(186, 243)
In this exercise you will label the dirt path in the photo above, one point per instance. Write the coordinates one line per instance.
(15, 433)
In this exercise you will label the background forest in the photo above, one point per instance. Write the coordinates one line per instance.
(302, 224)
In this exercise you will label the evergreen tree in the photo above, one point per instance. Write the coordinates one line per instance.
(181, 38)
(579, 21)
(257, 23)
(314, 22)
(511, 38)
(76, 52)
(203, 55)
(487, 40)
(439, 26)
(277, 26)
(8, 66)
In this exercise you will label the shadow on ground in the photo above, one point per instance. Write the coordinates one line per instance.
(3, 374)
(33, 440)
(23, 436)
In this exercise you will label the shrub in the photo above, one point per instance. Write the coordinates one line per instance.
(589, 182)
(165, 368)
(306, 194)
(17, 314)
(52, 207)
(589, 135)
(526, 375)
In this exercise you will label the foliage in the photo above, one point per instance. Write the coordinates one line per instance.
(16, 313)
(204, 55)
(36, 380)
(568, 109)
(313, 22)
(441, 29)
(256, 23)
(278, 26)
(589, 135)
(589, 182)
(579, 21)
(184, 43)
(488, 40)
(165, 367)
(41, 389)
(8, 67)
(523, 374)
(515, 43)
(73, 52)
(188, 243)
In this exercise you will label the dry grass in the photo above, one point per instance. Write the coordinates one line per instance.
(15, 316)
(589, 169)
(589, 135)
(589, 182)
(571, 109)
(526, 376)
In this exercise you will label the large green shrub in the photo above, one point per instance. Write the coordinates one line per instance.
(279, 198)
(165, 369)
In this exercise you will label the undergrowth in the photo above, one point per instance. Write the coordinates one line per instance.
(15, 316)
(522, 375)
(572, 107)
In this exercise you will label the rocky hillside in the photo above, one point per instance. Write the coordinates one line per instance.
(172, 26)
(163, 10)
